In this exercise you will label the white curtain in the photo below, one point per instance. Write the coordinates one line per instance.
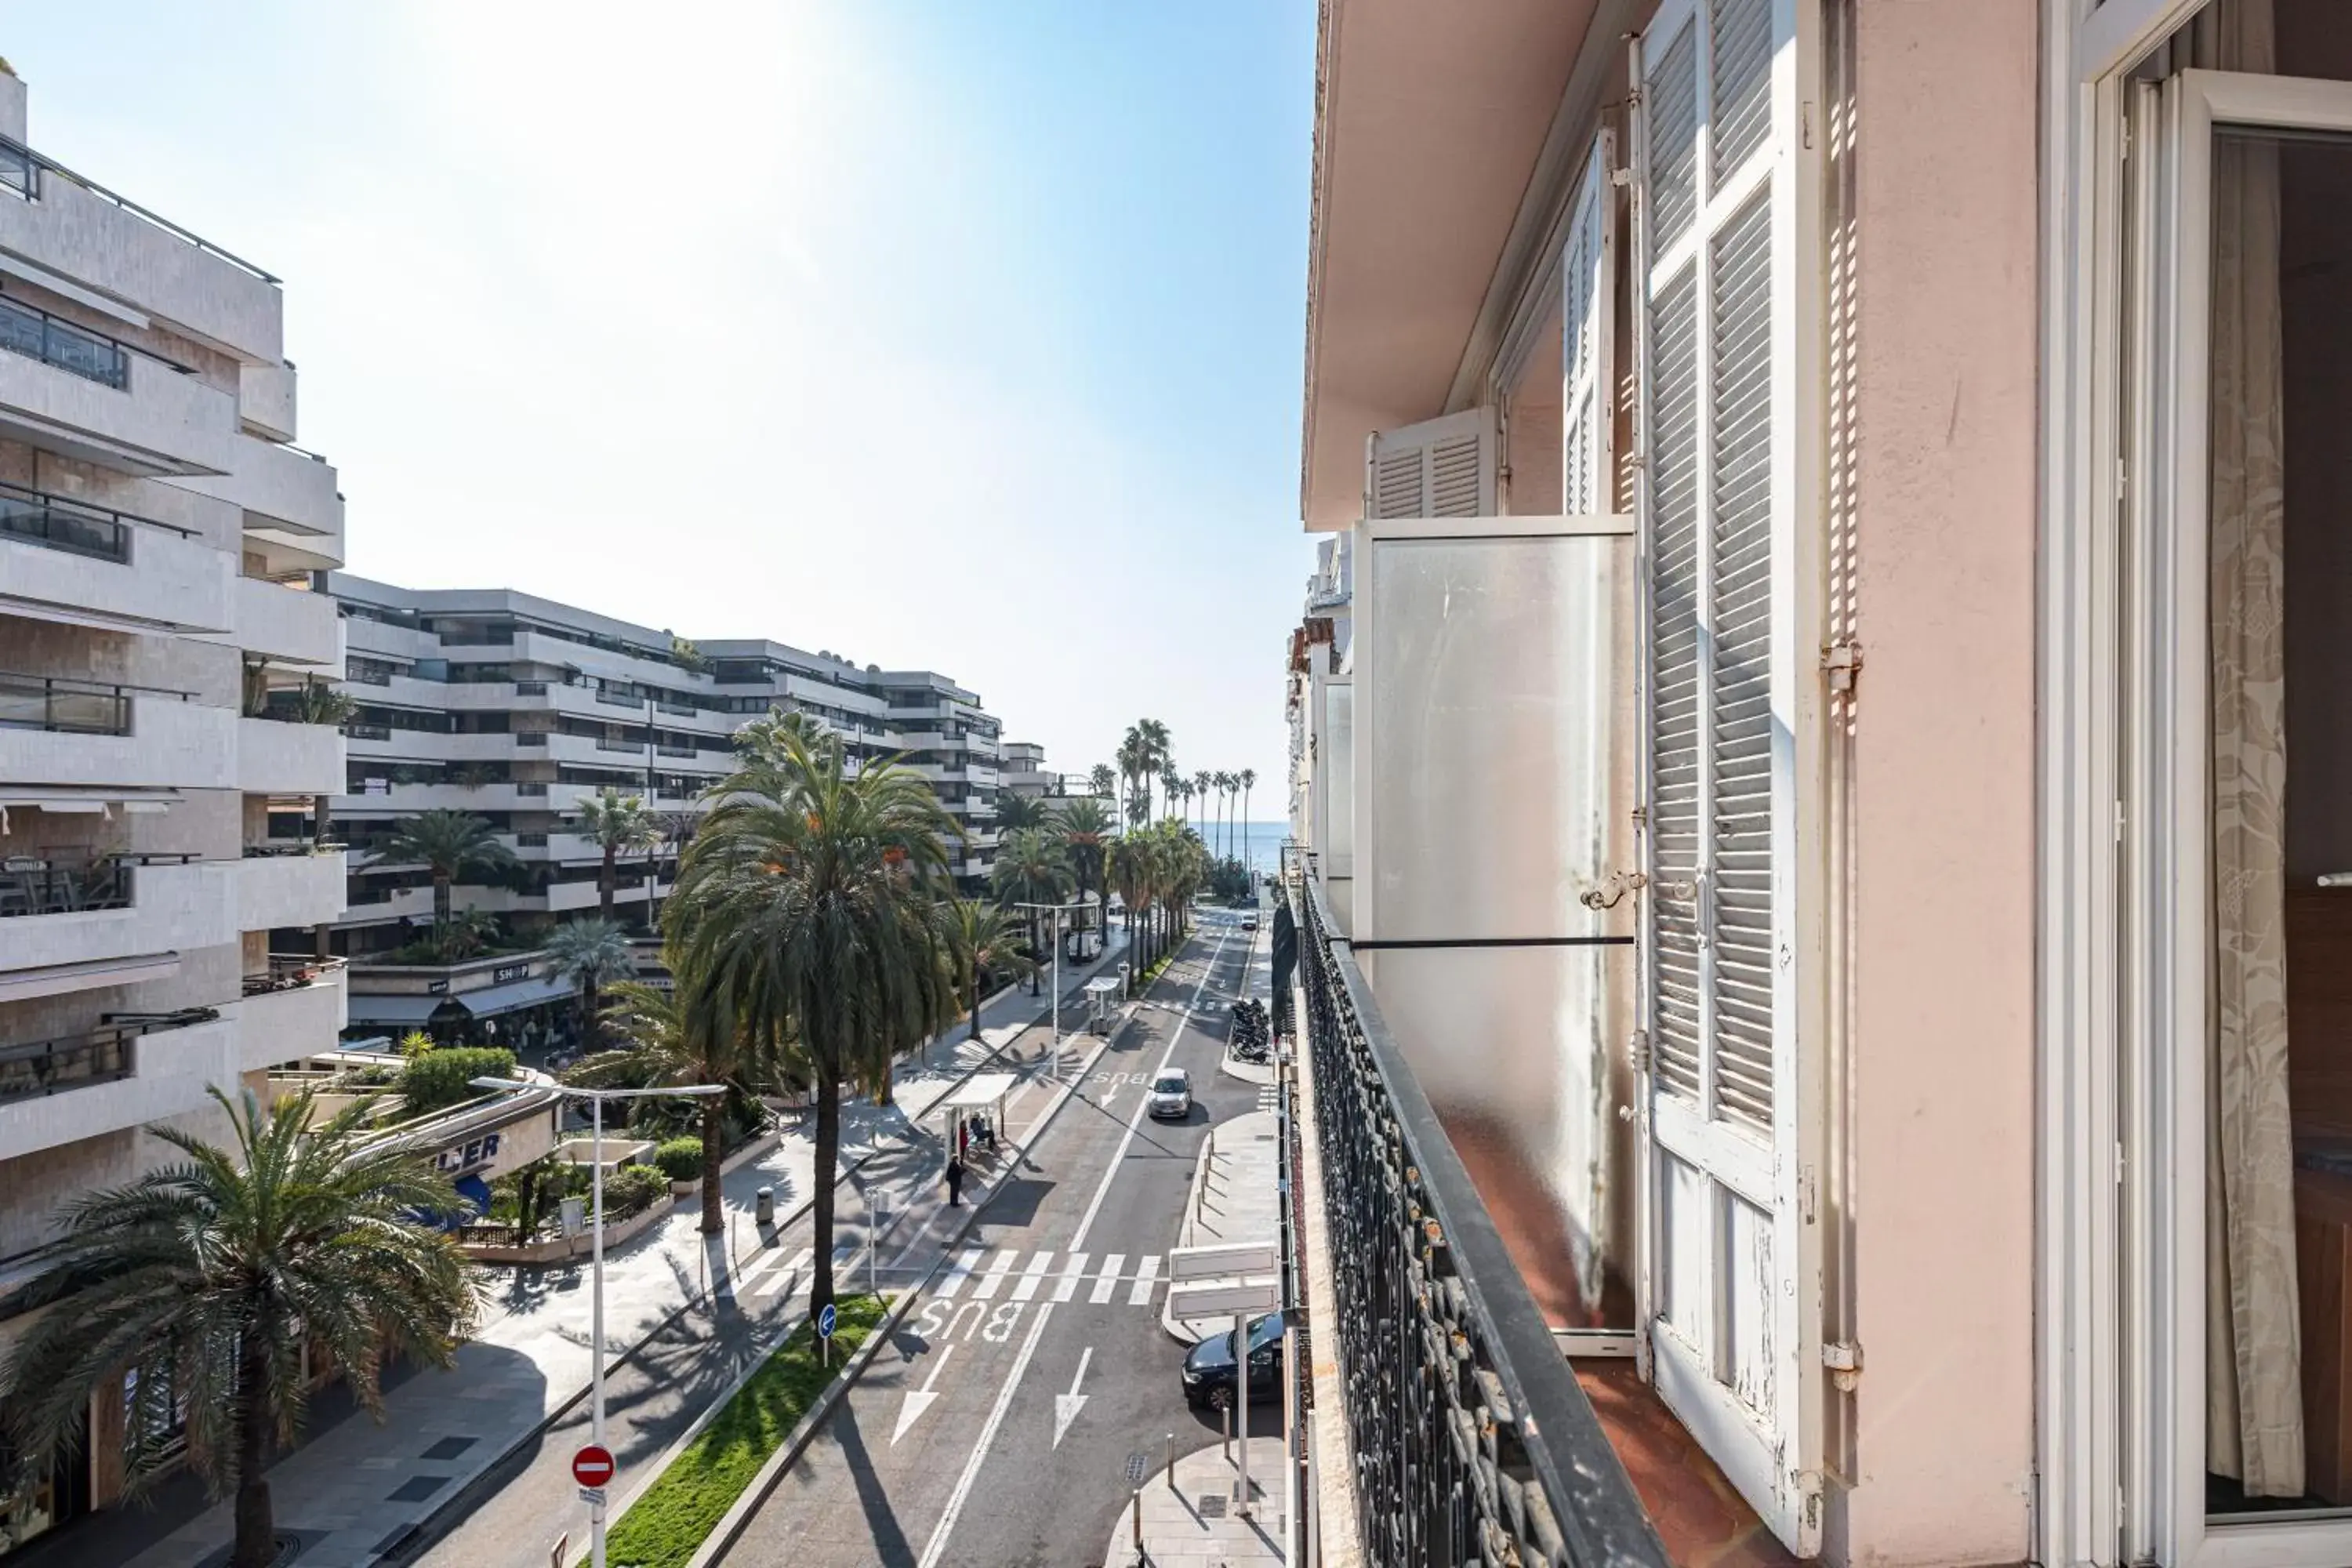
(2253, 1339)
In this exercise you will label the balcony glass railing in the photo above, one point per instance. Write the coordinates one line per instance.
(104, 1055)
(1469, 1438)
(74, 707)
(35, 517)
(35, 333)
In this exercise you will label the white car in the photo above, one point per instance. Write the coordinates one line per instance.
(1171, 1094)
(1249, 922)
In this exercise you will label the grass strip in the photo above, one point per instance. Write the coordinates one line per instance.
(664, 1528)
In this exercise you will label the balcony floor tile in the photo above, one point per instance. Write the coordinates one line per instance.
(1703, 1521)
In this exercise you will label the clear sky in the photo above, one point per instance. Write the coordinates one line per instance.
(961, 334)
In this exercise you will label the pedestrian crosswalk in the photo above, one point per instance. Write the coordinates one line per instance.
(1269, 1098)
(978, 1275)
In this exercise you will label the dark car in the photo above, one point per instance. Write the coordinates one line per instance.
(1209, 1370)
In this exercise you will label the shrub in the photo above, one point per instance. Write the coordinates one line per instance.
(439, 1079)
(415, 1044)
(632, 1190)
(680, 1159)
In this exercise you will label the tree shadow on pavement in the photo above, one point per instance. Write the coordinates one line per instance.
(890, 1543)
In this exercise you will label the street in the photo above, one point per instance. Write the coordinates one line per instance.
(1024, 1396)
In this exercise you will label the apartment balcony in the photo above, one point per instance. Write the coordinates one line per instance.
(293, 1009)
(290, 625)
(78, 392)
(375, 905)
(403, 798)
(283, 490)
(63, 559)
(132, 1069)
(72, 920)
(274, 757)
(95, 734)
(78, 228)
(306, 887)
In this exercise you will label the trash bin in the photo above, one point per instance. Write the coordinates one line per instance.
(767, 1209)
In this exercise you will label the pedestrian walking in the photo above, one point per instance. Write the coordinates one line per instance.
(955, 1181)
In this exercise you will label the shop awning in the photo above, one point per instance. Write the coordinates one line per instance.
(404, 1010)
(409, 1009)
(84, 800)
(518, 994)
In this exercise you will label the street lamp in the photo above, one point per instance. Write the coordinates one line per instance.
(596, 1098)
(1056, 985)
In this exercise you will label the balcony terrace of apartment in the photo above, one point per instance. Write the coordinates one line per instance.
(78, 229)
(279, 757)
(77, 918)
(76, 391)
(294, 1008)
(369, 904)
(132, 1069)
(288, 624)
(291, 497)
(70, 732)
(403, 799)
(66, 560)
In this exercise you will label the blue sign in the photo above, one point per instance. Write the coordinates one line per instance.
(825, 1322)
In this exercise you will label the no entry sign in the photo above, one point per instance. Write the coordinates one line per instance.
(593, 1466)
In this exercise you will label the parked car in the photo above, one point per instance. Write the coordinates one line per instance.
(1249, 922)
(1171, 1094)
(1211, 1373)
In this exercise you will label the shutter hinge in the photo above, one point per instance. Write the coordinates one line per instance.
(1641, 817)
(1841, 661)
(2124, 147)
(1843, 1358)
(1613, 888)
(1808, 1193)
(2119, 822)
(1623, 176)
(2119, 1161)
(1641, 1050)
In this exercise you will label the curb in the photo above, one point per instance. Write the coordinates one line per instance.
(1168, 1319)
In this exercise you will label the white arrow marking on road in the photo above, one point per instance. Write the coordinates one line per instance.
(920, 1400)
(1068, 1406)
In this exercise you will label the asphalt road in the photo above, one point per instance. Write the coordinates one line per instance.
(1018, 1402)
(515, 1513)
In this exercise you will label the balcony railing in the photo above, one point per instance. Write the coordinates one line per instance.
(56, 523)
(22, 171)
(531, 688)
(290, 972)
(75, 707)
(29, 331)
(536, 737)
(63, 884)
(1471, 1440)
(99, 1055)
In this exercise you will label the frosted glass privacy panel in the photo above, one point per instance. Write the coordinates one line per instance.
(1498, 682)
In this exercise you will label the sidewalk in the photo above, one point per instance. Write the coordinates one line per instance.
(353, 1491)
(1236, 1197)
(1192, 1523)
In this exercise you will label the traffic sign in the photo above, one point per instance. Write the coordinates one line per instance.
(592, 1496)
(825, 1318)
(592, 1467)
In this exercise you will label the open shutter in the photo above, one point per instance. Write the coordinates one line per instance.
(1439, 468)
(1587, 350)
(1732, 1303)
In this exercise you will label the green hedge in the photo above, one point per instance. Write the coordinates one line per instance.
(438, 1079)
(632, 1190)
(680, 1159)
(665, 1526)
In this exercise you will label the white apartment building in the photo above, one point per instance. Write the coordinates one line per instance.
(518, 709)
(1025, 772)
(161, 543)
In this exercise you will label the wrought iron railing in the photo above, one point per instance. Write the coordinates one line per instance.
(1471, 1440)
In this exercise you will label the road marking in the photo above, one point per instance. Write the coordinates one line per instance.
(1068, 1406)
(1108, 1279)
(993, 1281)
(1145, 1270)
(956, 1498)
(1068, 1285)
(773, 1281)
(1025, 1288)
(964, 1264)
(921, 1399)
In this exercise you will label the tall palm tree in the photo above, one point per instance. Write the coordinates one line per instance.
(659, 1045)
(1132, 867)
(450, 843)
(804, 907)
(1221, 782)
(1015, 812)
(1031, 869)
(1183, 863)
(762, 740)
(1245, 778)
(591, 954)
(1102, 781)
(1203, 782)
(1154, 735)
(208, 1278)
(1134, 760)
(983, 937)
(618, 823)
(1086, 828)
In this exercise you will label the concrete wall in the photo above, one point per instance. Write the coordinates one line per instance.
(1942, 1069)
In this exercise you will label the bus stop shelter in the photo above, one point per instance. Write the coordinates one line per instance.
(1102, 1003)
(981, 1095)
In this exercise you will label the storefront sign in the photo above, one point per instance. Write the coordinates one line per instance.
(437, 987)
(473, 1156)
(506, 971)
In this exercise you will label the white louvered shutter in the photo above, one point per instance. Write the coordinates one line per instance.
(1588, 341)
(1439, 468)
(1734, 1299)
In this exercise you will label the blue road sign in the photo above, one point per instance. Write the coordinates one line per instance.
(825, 1322)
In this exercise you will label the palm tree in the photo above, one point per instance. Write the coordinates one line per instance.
(1015, 812)
(1102, 781)
(1245, 778)
(1134, 760)
(805, 908)
(1183, 862)
(618, 822)
(762, 740)
(660, 1047)
(1154, 735)
(205, 1280)
(449, 844)
(983, 937)
(1132, 871)
(1031, 869)
(1085, 828)
(1202, 783)
(591, 954)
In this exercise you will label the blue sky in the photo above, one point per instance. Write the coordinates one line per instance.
(962, 334)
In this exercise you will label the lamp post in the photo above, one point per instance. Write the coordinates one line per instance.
(1055, 984)
(596, 1098)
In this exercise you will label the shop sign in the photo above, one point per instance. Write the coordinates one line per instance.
(471, 1157)
(506, 971)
